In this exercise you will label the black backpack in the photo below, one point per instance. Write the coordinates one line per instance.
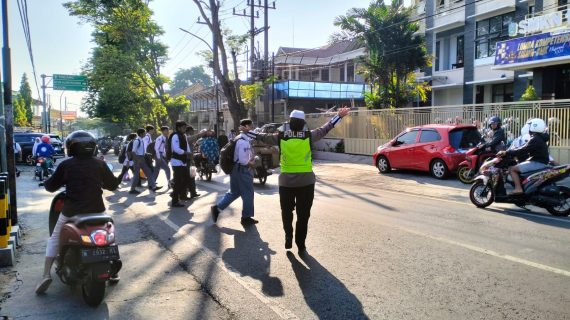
(150, 149)
(168, 147)
(227, 156)
(123, 154)
(129, 152)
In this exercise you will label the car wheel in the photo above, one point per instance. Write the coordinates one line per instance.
(438, 169)
(383, 165)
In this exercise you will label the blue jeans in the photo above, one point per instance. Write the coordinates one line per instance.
(241, 185)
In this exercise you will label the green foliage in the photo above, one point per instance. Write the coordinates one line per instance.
(20, 119)
(250, 93)
(26, 94)
(175, 107)
(124, 80)
(187, 77)
(394, 52)
(529, 94)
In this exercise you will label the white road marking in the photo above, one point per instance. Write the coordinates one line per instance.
(281, 311)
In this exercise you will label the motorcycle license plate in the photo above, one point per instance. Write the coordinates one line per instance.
(91, 255)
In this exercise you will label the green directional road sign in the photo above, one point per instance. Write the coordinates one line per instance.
(69, 82)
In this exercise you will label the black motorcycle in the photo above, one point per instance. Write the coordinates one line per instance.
(204, 168)
(540, 188)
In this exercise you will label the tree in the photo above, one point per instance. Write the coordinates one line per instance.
(20, 119)
(26, 94)
(393, 51)
(250, 93)
(229, 80)
(186, 77)
(175, 107)
(529, 94)
(124, 79)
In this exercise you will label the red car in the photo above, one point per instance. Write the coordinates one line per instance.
(434, 148)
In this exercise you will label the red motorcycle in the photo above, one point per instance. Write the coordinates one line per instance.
(88, 255)
(468, 169)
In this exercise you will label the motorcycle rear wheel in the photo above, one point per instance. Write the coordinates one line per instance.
(464, 175)
(263, 180)
(476, 195)
(93, 292)
(564, 209)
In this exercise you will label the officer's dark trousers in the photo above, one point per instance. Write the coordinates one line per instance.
(300, 198)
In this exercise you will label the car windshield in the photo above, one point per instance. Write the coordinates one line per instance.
(464, 138)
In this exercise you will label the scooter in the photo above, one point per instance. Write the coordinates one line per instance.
(469, 167)
(540, 188)
(261, 169)
(44, 168)
(204, 168)
(88, 255)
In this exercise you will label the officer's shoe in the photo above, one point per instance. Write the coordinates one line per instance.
(288, 242)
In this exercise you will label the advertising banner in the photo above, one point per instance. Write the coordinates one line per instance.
(533, 48)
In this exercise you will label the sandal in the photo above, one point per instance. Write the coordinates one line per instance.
(43, 285)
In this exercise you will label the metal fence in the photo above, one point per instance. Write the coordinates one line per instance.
(385, 124)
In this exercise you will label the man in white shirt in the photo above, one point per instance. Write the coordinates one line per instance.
(138, 157)
(241, 178)
(160, 151)
(146, 141)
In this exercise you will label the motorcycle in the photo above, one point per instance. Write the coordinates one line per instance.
(104, 145)
(540, 188)
(204, 168)
(261, 169)
(44, 168)
(88, 255)
(469, 167)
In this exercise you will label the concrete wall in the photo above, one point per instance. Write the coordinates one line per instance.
(446, 97)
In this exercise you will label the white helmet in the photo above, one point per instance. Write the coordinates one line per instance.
(524, 130)
(536, 125)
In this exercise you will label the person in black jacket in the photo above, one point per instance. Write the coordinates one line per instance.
(498, 141)
(83, 176)
(535, 153)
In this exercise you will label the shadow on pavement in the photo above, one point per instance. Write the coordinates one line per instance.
(251, 257)
(327, 296)
(533, 216)
(358, 196)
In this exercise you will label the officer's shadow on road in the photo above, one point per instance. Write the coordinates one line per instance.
(326, 295)
(358, 196)
(122, 199)
(251, 256)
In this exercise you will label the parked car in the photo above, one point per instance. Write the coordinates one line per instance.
(434, 148)
(27, 139)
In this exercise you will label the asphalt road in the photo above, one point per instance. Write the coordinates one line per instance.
(401, 246)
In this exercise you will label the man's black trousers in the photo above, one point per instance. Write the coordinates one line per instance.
(181, 178)
(300, 198)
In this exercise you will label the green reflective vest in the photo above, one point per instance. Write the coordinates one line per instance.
(295, 149)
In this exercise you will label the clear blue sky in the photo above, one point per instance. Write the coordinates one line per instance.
(62, 45)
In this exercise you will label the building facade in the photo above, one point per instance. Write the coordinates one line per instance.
(490, 51)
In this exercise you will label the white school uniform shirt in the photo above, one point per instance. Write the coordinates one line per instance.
(244, 152)
(176, 149)
(160, 146)
(138, 147)
(146, 140)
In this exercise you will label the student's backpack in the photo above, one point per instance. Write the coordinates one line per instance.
(227, 156)
(168, 147)
(123, 154)
(150, 149)
(129, 152)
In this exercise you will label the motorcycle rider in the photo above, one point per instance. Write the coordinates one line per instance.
(498, 139)
(45, 150)
(535, 151)
(84, 176)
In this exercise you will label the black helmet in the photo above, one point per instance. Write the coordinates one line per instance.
(81, 143)
(496, 120)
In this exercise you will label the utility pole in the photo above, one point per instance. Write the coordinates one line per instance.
(9, 114)
(252, 32)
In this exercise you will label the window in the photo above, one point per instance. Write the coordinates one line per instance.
(460, 51)
(503, 92)
(489, 32)
(305, 75)
(437, 55)
(286, 75)
(531, 11)
(350, 72)
(429, 136)
(325, 75)
(342, 73)
(315, 75)
(407, 138)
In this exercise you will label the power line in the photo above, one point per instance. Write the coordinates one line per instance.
(23, 10)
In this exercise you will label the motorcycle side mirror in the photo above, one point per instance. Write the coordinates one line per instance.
(110, 166)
